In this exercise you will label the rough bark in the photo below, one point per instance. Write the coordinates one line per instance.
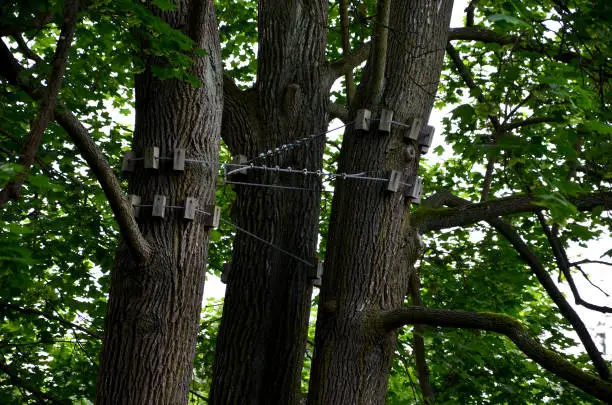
(262, 336)
(154, 307)
(371, 244)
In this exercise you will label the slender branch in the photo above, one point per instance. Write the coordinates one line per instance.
(564, 266)
(466, 75)
(338, 111)
(379, 54)
(199, 396)
(349, 61)
(418, 343)
(505, 325)
(589, 261)
(12, 71)
(488, 178)
(526, 122)
(588, 279)
(47, 103)
(469, 14)
(44, 397)
(428, 218)
(48, 315)
(23, 47)
(38, 22)
(346, 48)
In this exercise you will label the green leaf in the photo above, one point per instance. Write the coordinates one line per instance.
(505, 18)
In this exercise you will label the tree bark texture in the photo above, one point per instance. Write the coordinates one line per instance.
(154, 306)
(371, 246)
(262, 337)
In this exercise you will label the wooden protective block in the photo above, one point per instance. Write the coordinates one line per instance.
(317, 280)
(386, 116)
(394, 181)
(134, 201)
(425, 137)
(414, 190)
(178, 160)
(128, 164)
(362, 120)
(151, 157)
(211, 219)
(159, 206)
(191, 205)
(227, 268)
(415, 129)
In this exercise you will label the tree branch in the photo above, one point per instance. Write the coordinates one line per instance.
(47, 103)
(430, 218)
(418, 343)
(13, 72)
(588, 261)
(338, 111)
(346, 49)
(565, 267)
(349, 62)
(48, 315)
(505, 325)
(529, 257)
(38, 22)
(379, 56)
(489, 36)
(526, 122)
(20, 382)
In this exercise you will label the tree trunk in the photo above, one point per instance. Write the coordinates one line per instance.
(371, 246)
(154, 307)
(262, 337)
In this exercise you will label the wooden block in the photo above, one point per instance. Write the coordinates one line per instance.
(317, 274)
(425, 137)
(415, 128)
(178, 160)
(386, 116)
(362, 120)
(128, 164)
(151, 157)
(191, 205)
(159, 206)
(135, 200)
(413, 192)
(394, 181)
(211, 220)
(227, 268)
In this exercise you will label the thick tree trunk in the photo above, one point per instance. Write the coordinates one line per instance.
(262, 336)
(371, 246)
(154, 307)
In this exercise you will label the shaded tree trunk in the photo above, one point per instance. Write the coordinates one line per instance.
(154, 307)
(371, 246)
(262, 337)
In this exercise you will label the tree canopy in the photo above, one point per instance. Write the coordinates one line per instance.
(523, 176)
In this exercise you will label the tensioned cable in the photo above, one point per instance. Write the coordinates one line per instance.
(252, 235)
